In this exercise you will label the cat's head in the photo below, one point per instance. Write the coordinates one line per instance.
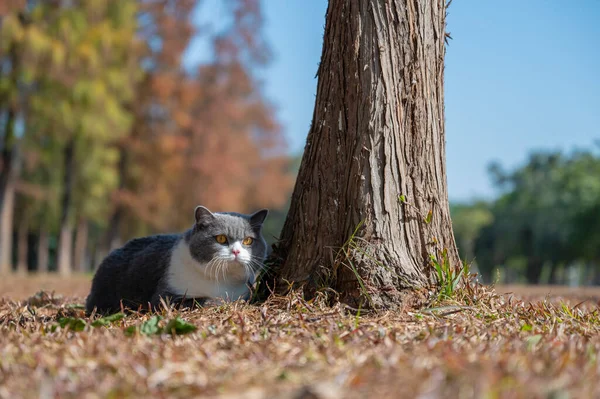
(230, 246)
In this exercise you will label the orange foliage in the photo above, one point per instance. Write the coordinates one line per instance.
(210, 138)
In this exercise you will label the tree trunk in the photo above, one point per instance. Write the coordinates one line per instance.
(81, 238)
(553, 277)
(22, 247)
(112, 237)
(42, 255)
(7, 193)
(6, 228)
(534, 269)
(65, 245)
(6, 170)
(374, 160)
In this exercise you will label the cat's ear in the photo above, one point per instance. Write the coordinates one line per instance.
(203, 215)
(258, 217)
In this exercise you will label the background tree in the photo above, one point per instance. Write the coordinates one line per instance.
(117, 136)
(371, 204)
(11, 31)
(151, 155)
(85, 73)
(543, 222)
(468, 221)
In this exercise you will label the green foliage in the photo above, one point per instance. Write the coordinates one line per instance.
(78, 324)
(448, 276)
(72, 323)
(79, 63)
(178, 326)
(108, 320)
(545, 219)
(153, 326)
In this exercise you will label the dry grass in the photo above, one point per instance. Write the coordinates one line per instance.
(482, 345)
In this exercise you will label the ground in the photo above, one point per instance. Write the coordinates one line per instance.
(527, 343)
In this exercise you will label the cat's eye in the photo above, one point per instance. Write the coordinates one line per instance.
(221, 239)
(248, 241)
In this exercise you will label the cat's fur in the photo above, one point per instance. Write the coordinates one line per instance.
(182, 268)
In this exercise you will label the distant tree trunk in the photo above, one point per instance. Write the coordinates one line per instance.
(534, 269)
(7, 172)
(111, 240)
(596, 279)
(93, 253)
(65, 245)
(374, 157)
(112, 237)
(553, 278)
(42, 254)
(7, 193)
(6, 228)
(22, 247)
(81, 238)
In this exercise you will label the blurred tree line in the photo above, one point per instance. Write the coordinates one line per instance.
(543, 227)
(106, 135)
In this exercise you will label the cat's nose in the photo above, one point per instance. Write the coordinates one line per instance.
(236, 252)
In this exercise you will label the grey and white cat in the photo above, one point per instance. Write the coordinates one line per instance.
(217, 258)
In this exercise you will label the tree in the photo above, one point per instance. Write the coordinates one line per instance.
(468, 221)
(238, 130)
(84, 72)
(543, 220)
(152, 154)
(205, 135)
(114, 136)
(370, 205)
(10, 77)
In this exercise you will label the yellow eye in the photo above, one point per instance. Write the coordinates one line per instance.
(221, 239)
(248, 241)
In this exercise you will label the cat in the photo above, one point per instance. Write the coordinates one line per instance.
(218, 258)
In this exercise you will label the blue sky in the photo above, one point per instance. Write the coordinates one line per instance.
(520, 76)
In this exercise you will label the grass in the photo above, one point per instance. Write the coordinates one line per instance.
(479, 344)
(448, 277)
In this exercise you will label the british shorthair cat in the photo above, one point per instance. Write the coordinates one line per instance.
(218, 257)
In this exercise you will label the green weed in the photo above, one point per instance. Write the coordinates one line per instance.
(448, 276)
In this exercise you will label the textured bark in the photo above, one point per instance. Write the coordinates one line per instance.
(81, 238)
(42, 253)
(374, 157)
(65, 244)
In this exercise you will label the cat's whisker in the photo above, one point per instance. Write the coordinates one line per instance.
(224, 269)
(210, 267)
(258, 265)
(214, 265)
(219, 269)
(216, 269)
(224, 266)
